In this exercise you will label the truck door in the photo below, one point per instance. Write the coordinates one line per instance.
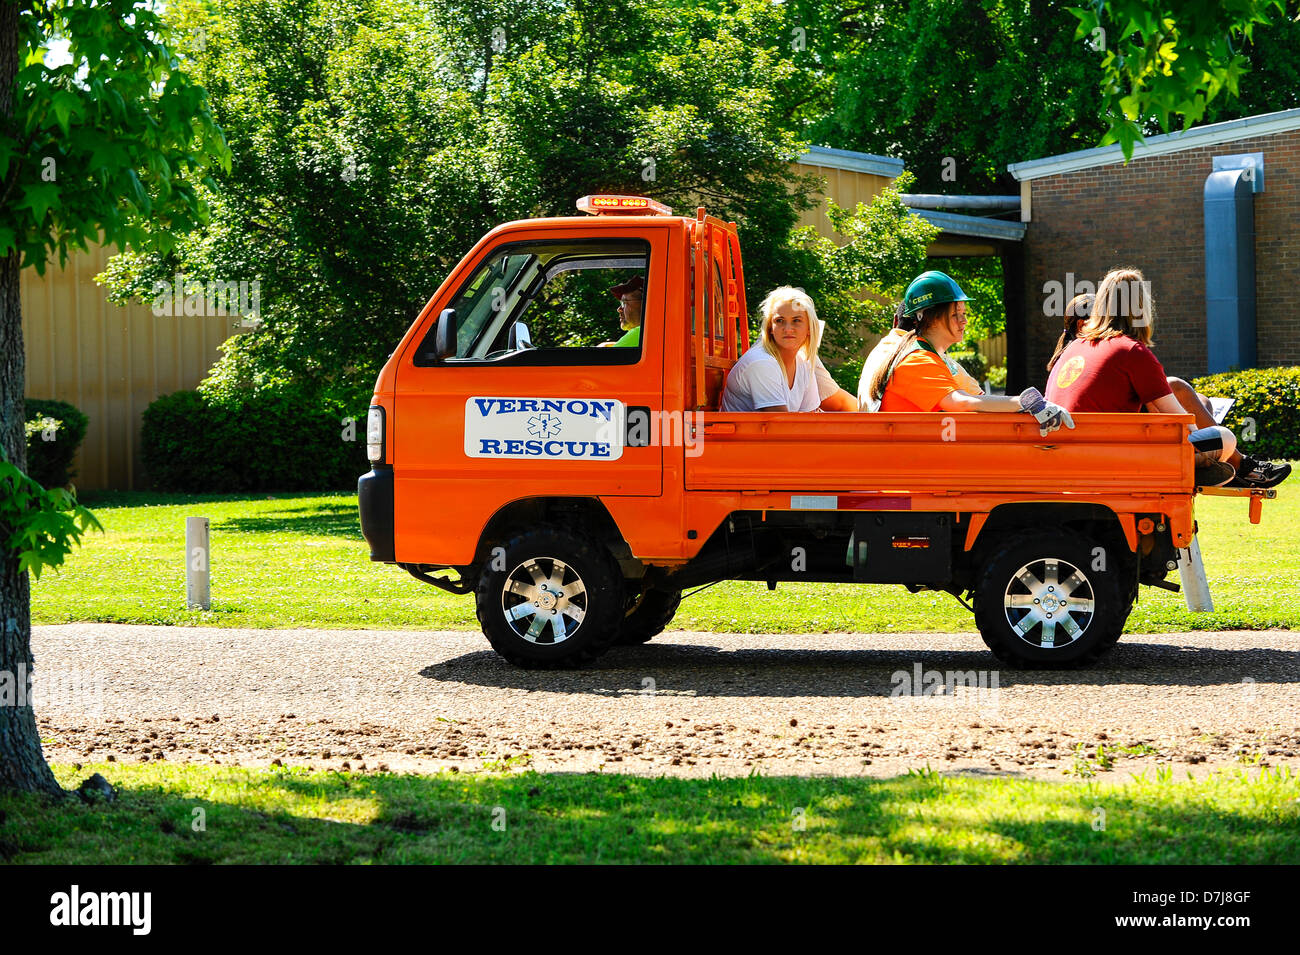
(534, 397)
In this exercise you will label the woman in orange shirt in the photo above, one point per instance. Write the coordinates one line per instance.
(920, 377)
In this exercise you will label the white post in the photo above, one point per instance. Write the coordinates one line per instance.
(1196, 588)
(198, 590)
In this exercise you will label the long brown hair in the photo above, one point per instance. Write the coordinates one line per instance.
(913, 325)
(1123, 306)
(1077, 311)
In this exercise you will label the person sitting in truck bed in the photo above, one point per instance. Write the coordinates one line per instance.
(1110, 367)
(918, 376)
(1193, 402)
(1077, 311)
(777, 372)
(884, 351)
(1250, 471)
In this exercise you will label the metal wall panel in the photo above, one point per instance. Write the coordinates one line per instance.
(110, 361)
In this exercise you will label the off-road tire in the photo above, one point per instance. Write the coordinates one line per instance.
(1001, 585)
(647, 616)
(585, 561)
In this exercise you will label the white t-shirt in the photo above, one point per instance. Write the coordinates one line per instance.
(757, 380)
(826, 385)
(883, 351)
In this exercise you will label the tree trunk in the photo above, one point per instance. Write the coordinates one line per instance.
(22, 764)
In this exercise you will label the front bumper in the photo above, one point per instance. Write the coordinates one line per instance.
(375, 499)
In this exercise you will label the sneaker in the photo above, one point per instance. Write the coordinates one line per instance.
(1256, 473)
(1213, 473)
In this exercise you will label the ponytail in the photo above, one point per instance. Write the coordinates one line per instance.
(880, 378)
(912, 325)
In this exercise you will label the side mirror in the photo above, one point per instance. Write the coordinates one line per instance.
(444, 342)
(523, 339)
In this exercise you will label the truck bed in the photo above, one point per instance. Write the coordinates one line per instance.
(1130, 463)
(907, 452)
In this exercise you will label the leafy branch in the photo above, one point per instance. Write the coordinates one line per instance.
(1161, 60)
(38, 526)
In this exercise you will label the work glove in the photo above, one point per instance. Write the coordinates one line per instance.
(1049, 416)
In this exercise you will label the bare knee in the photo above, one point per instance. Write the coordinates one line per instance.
(1216, 439)
(1188, 396)
(1183, 391)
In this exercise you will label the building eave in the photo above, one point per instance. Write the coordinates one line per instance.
(851, 161)
(1199, 137)
(980, 227)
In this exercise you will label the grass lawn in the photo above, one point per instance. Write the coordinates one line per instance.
(299, 561)
(255, 816)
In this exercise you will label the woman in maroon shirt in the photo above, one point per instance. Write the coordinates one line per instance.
(1193, 402)
(1110, 367)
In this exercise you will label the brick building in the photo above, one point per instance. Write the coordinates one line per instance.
(1087, 212)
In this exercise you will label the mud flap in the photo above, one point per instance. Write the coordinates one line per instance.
(1196, 588)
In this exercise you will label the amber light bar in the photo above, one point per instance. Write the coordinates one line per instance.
(622, 205)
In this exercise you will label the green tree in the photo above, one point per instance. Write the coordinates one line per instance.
(955, 89)
(374, 143)
(1161, 60)
(960, 88)
(99, 132)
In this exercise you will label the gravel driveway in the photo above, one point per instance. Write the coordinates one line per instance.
(688, 703)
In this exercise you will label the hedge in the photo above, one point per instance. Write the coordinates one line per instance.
(50, 450)
(282, 440)
(1266, 417)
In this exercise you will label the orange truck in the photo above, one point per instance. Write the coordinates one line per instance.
(577, 486)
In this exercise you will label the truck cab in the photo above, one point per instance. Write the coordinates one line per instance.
(576, 486)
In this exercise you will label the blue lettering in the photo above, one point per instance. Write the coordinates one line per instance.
(533, 447)
(506, 405)
(576, 448)
(514, 446)
(602, 410)
(527, 404)
(554, 447)
(577, 407)
(550, 404)
(599, 449)
(484, 405)
(489, 446)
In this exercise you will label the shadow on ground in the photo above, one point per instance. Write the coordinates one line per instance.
(339, 520)
(707, 671)
(254, 816)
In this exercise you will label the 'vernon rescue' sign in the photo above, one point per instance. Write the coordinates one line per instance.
(564, 429)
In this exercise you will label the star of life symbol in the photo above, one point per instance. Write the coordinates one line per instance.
(544, 425)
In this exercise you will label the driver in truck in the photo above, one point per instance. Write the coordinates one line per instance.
(631, 300)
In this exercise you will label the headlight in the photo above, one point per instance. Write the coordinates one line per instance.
(375, 434)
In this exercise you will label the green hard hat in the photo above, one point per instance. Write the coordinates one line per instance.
(932, 288)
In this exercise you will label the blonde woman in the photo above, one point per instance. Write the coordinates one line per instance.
(778, 372)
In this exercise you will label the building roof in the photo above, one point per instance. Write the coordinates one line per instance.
(1199, 136)
(853, 162)
(954, 223)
